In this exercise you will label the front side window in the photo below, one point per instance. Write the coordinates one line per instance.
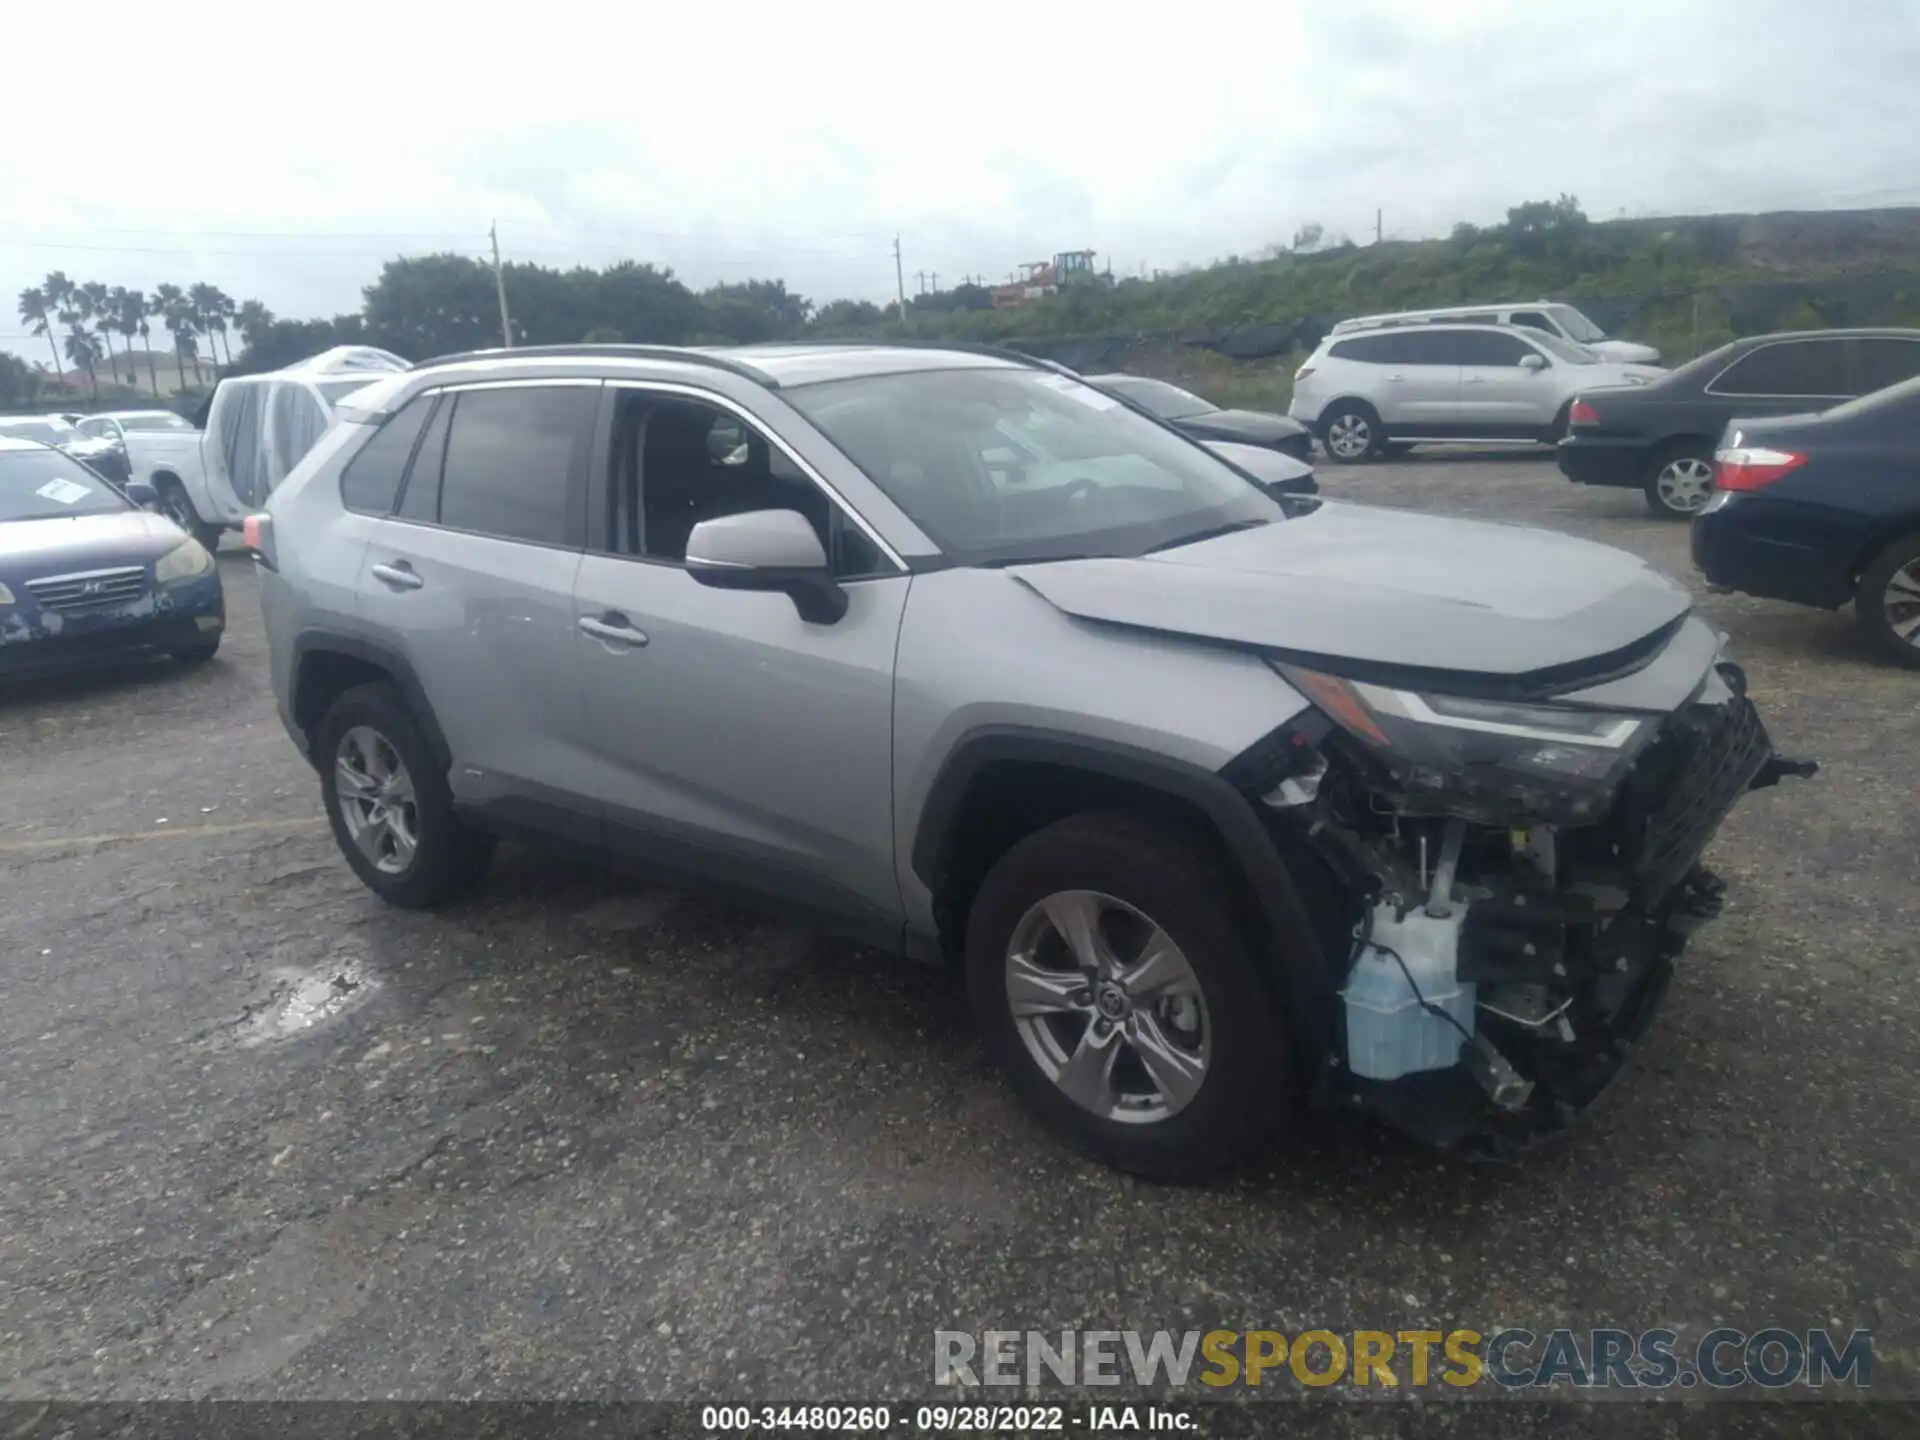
(1813, 368)
(511, 457)
(1490, 347)
(1533, 320)
(1102, 479)
(1885, 362)
(677, 462)
(46, 485)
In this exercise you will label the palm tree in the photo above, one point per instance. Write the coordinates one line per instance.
(84, 350)
(125, 310)
(149, 309)
(169, 301)
(36, 311)
(204, 301)
(100, 308)
(224, 311)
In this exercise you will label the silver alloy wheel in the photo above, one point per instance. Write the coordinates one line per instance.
(376, 799)
(1901, 603)
(1350, 436)
(1108, 1007)
(1685, 484)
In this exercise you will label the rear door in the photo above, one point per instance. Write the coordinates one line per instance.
(1500, 398)
(471, 577)
(1419, 379)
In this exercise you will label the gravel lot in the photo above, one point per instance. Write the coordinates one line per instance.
(262, 1137)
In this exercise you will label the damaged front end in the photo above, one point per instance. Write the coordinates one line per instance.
(1507, 884)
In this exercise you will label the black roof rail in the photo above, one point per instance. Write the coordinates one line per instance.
(610, 352)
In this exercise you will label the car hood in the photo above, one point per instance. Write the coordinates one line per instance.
(1255, 426)
(30, 548)
(1383, 589)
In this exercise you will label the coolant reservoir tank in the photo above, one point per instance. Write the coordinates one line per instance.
(1389, 1032)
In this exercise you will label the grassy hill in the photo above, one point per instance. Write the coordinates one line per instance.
(1685, 284)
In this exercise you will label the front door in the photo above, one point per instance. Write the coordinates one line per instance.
(1500, 397)
(732, 740)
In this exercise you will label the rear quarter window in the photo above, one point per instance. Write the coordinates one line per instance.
(371, 481)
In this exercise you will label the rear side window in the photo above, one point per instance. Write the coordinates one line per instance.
(1490, 347)
(1886, 362)
(371, 481)
(512, 457)
(1789, 367)
(1421, 347)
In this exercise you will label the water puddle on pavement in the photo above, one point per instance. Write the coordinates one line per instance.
(297, 1002)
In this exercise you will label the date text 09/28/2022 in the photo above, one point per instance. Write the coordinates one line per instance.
(944, 1419)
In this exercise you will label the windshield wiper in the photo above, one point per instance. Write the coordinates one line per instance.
(1211, 533)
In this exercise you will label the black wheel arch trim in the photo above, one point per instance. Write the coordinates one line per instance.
(1230, 813)
(384, 657)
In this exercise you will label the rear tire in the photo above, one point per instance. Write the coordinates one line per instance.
(1351, 433)
(1195, 1059)
(177, 507)
(421, 854)
(1680, 480)
(1886, 603)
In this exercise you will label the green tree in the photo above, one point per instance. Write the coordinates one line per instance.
(754, 310)
(98, 311)
(37, 313)
(1541, 225)
(127, 313)
(19, 381)
(847, 317)
(206, 305)
(437, 304)
(253, 320)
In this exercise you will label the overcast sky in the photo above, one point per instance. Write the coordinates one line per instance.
(285, 158)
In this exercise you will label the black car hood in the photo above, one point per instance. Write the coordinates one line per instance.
(1254, 427)
(1384, 589)
(62, 544)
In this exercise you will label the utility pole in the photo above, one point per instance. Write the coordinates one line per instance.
(500, 285)
(1377, 232)
(900, 280)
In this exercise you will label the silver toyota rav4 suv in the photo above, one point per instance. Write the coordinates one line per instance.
(1223, 801)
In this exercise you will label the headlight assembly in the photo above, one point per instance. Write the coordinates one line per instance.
(1490, 760)
(184, 562)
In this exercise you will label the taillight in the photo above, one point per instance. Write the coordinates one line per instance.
(257, 532)
(1748, 467)
(1302, 372)
(1583, 414)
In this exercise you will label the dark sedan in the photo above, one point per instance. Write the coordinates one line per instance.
(88, 576)
(1823, 509)
(105, 457)
(1659, 438)
(1203, 420)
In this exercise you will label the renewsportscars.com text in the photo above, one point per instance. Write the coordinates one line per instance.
(1512, 1358)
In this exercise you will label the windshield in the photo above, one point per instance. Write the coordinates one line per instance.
(1169, 402)
(1565, 349)
(1576, 324)
(1000, 466)
(51, 430)
(153, 422)
(46, 485)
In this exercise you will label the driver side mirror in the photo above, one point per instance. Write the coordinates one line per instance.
(142, 493)
(1533, 360)
(768, 550)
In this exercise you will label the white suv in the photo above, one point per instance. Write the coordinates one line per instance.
(1369, 391)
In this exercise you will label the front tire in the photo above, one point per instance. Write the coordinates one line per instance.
(1351, 433)
(389, 804)
(1113, 982)
(198, 654)
(177, 507)
(1886, 603)
(1680, 480)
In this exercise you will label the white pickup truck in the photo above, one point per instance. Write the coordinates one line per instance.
(256, 428)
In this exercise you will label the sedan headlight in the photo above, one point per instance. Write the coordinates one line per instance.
(184, 562)
(1495, 761)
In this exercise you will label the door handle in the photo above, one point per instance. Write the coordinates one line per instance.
(400, 575)
(1396, 377)
(1475, 380)
(613, 629)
